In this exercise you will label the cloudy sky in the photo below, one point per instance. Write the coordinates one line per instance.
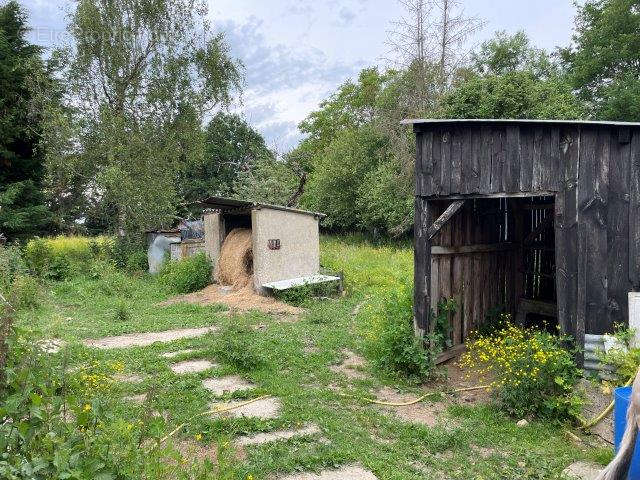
(296, 52)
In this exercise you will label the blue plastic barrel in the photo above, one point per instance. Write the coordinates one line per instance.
(622, 397)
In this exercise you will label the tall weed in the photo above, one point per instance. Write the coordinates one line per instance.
(186, 275)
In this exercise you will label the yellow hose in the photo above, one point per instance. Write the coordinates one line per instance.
(417, 400)
(596, 420)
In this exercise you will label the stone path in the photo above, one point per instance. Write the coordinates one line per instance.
(139, 399)
(260, 438)
(232, 383)
(265, 409)
(345, 473)
(144, 339)
(192, 366)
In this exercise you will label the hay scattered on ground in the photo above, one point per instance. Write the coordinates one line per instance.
(242, 300)
(235, 264)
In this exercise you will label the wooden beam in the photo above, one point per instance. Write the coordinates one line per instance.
(532, 193)
(467, 249)
(444, 218)
(451, 353)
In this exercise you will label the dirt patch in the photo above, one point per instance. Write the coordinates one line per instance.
(485, 452)
(345, 473)
(192, 450)
(351, 366)
(424, 413)
(242, 300)
(260, 438)
(128, 378)
(429, 471)
(265, 409)
(145, 339)
(222, 385)
(596, 402)
(582, 470)
(192, 366)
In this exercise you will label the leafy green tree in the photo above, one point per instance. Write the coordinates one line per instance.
(604, 60)
(359, 157)
(231, 148)
(511, 79)
(23, 75)
(141, 76)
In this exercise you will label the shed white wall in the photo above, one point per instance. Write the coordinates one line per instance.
(299, 253)
(213, 235)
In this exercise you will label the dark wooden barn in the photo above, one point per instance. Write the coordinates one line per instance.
(540, 219)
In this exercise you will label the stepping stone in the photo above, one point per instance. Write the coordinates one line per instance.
(144, 339)
(233, 383)
(53, 345)
(192, 366)
(139, 399)
(582, 470)
(344, 473)
(128, 378)
(177, 353)
(265, 409)
(260, 438)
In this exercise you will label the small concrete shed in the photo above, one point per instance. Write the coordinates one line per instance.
(286, 248)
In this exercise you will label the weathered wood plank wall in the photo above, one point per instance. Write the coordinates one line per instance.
(594, 173)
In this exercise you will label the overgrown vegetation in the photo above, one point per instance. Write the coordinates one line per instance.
(624, 358)
(186, 275)
(530, 372)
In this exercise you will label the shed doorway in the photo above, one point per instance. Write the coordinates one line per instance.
(494, 256)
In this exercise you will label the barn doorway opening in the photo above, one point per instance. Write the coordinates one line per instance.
(494, 256)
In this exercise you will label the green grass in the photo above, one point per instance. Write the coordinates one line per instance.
(310, 392)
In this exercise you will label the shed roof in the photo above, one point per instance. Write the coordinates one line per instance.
(227, 204)
(423, 121)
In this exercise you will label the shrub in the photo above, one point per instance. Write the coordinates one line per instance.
(121, 313)
(237, 346)
(395, 346)
(25, 292)
(626, 360)
(186, 275)
(11, 265)
(137, 261)
(530, 372)
(61, 256)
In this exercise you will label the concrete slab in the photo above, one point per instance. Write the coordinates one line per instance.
(260, 438)
(53, 345)
(265, 409)
(345, 473)
(177, 353)
(192, 366)
(582, 470)
(128, 378)
(139, 399)
(222, 385)
(145, 339)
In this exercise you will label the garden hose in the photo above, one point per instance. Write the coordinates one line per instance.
(596, 420)
(417, 400)
(213, 410)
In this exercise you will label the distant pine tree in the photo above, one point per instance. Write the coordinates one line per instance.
(22, 202)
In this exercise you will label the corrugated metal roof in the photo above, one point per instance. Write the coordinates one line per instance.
(223, 203)
(420, 121)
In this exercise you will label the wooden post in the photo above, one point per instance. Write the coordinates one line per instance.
(634, 316)
(422, 266)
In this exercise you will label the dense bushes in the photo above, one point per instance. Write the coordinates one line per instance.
(61, 257)
(530, 372)
(186, 275)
